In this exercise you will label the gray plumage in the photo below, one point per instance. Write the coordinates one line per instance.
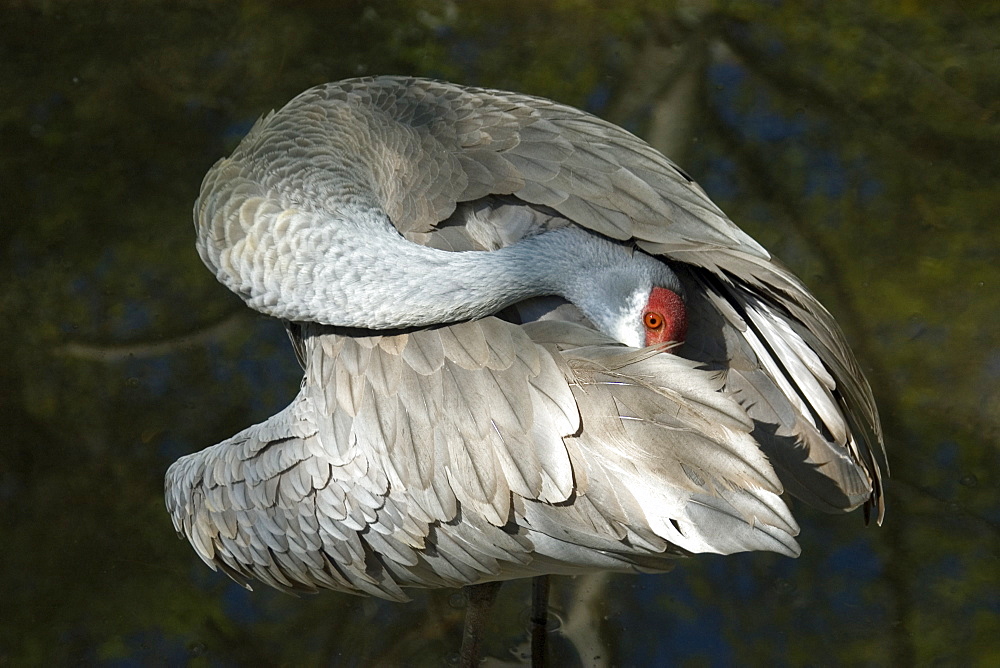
(456, 265)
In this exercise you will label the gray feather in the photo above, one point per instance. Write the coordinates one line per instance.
(469, 448)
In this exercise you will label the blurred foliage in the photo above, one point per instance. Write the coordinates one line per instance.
(857, 140)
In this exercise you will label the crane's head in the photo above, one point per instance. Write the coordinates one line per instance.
(649, 315)
(632, 297)
(639, 302)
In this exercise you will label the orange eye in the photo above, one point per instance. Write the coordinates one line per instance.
(652, 320)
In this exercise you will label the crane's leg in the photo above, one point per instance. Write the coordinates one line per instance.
(539, 620)
(479, 599)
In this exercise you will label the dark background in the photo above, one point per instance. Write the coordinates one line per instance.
(858, 141)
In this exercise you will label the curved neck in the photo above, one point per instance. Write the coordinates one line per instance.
(356, 270)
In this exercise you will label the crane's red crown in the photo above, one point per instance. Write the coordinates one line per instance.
(665, 317)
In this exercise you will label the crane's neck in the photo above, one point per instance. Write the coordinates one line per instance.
(358, 271)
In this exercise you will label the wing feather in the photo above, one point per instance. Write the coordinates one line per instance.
(484, 449)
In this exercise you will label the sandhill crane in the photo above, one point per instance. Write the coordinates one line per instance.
(532, 345)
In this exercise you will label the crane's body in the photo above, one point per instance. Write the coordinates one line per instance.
(469, 278)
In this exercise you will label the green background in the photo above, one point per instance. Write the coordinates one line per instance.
(859, 141)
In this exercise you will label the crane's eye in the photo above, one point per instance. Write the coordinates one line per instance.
(652, 320)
